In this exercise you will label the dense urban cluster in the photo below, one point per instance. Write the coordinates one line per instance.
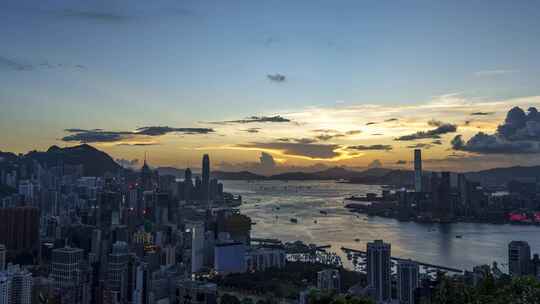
(445, 197)
(125, 237)
(138, 237)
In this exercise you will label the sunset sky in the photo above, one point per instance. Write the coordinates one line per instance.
(303, 82)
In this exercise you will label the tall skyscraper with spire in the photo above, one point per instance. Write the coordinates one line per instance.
(146, 176)
(206, 177)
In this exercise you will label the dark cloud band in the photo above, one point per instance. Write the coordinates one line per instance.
(99, 135)
(442, 128)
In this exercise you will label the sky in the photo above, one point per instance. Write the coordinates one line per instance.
(273, 86)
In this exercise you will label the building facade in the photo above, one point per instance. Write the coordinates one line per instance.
(379, 269)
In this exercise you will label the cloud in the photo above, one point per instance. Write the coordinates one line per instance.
(518, 134)
(519, 125)
(126, 163)
(95, 15)
(297, 140)
(326, 131)
(312, 151)
(17, 65)
(371, 147)
(10, 64)
(326, 137)
(491, 73)
(443, 128)
(254, 119)
(371, 123)
(401, 162)
(435, 123)
(390, 120)
(162, 130)
(420, 146)
(267, 161)
(375, 164)
(482, 113)
(138, 144)
(276, 77)
(252, 130)
(328, 134)
(99, 135)
(95, 136)
(492, 144)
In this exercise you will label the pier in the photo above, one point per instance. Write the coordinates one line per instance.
(425, 265)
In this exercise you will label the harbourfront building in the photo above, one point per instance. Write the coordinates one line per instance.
(519, 258)
(407, 281)
(329, 279)
(379, 270)
(230, 258)
(261, 258)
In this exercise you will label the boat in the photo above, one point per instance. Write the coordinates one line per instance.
(323, 212)
(459, 236)
(357, 240)
(294, 221)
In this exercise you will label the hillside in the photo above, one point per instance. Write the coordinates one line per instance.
(94, 161)
(499, 176)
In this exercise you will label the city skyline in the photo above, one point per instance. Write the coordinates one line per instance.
(337, 88)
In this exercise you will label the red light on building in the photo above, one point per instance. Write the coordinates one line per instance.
(517, 217)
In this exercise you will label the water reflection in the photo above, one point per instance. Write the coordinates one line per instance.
(272, 205)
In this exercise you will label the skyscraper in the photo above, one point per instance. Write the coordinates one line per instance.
(96, 243)
(19, 229)
(205, 177)
(379, 269)
(519, 258)
(188, 185)
(117, 270)
(197, 232)
(329, 279)
(4, 288)
(21, 283)
(141, 293)
(407, 281)
(146, 177)
(2, 257)
(418, 170)
(66, 267)
(445, 208)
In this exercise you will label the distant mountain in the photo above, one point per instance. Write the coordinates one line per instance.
(94, 161)
(330, 173)
(242, 175)
(222, 175)
(179, 173)
(7, 156)
(500, 176)
(380, 176)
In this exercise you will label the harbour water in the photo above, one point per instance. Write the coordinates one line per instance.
(318, 207)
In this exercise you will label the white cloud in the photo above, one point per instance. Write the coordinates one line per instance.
(490, 73)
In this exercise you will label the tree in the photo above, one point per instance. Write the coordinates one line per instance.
(229, 299)
(247, 301)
